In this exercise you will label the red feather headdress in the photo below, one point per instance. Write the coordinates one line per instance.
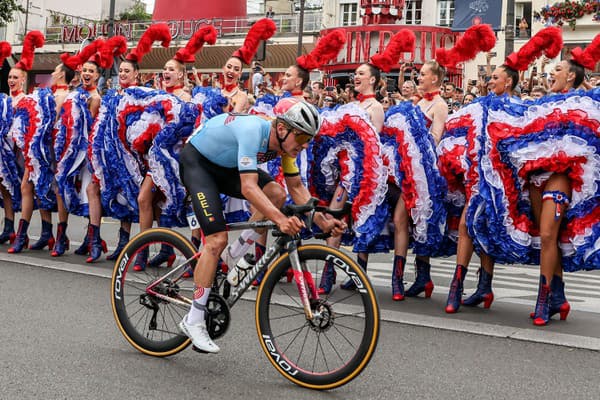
(548, 41)
(206, 34)
(588, 57)
(327, 49)
(116, 46)
(262, 29)
(475, 39)
(155, 33)
(88, 53)
(5, 52)
(401, 42)
(33, 40)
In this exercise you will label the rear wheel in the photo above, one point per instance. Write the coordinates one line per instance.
(334, 347)
(148, 322)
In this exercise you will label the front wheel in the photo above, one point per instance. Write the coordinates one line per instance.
(333, 348)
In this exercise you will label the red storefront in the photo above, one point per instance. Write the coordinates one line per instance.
(364, 41)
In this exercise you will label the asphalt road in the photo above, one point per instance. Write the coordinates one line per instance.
(59, 341)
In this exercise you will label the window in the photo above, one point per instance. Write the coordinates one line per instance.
(349, 14)
(523, 20)
(412, 12)
(445, 12)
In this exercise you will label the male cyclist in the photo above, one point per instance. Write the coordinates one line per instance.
(222, 158)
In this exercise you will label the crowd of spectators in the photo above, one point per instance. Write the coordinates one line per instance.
(533, 84)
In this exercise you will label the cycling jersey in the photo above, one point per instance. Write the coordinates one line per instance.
(238, 141)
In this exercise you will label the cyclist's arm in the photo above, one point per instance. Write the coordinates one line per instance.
(258, 199)
(301, 195)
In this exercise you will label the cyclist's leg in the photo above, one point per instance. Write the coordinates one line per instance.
(248, 237)
(200, 178)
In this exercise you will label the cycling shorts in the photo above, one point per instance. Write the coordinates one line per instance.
(205, 181)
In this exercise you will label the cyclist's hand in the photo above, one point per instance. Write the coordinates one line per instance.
(331, 225)
(291, 226)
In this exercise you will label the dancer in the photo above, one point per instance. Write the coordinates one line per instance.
(551, 195)
(150, 191)
(60, 79)
(501, 86)
(32, 131)
(366, 81)
(10, 174)
(71, 143)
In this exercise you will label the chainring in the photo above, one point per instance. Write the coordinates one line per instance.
(218, 316)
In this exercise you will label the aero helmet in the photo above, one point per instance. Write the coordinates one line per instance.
(299, 115)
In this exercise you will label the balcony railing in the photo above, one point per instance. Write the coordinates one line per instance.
(64, 28)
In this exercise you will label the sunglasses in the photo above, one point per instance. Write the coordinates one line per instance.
(302, 138)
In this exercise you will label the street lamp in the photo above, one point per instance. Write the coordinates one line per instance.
(300, 28)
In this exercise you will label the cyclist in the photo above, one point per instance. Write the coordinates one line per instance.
(222, 158)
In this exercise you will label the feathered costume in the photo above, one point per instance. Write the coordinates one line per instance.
(559, 133)
(32, 126)
(71, 139)
(347, 152)
(118, 168)
(10, 171)
(409, 152)
(467, 122)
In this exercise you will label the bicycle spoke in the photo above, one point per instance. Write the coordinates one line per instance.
(294, 338)
(333, 347)
(280, 335)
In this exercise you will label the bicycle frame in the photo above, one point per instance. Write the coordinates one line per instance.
(302, 277)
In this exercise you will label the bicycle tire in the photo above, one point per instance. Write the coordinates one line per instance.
(132, 306)
(284, 332)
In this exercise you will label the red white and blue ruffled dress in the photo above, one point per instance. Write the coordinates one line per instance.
(31, 129)
(71, 152)
(409, 152)
(11, 172)
(150, 129)
(457, 161)
(116, 167)
(347, 152)
(556, 134)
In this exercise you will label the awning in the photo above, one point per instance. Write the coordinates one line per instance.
(278, 57)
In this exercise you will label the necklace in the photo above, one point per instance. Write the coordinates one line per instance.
(230, 87)
(362, 97)
(429, 96)
(171, 89)
(59, 87)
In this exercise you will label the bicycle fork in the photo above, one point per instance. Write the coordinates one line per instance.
(303, 279)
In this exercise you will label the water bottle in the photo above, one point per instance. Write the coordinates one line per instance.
(240, 270)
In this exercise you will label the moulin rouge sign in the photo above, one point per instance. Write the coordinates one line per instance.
(364, 41)
(132, 30)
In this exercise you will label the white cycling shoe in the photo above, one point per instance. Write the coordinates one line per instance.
(199, 335)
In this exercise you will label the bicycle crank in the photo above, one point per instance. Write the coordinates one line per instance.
(218, 316)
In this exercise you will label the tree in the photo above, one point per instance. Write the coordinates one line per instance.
(137, 12)
(7, 10)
